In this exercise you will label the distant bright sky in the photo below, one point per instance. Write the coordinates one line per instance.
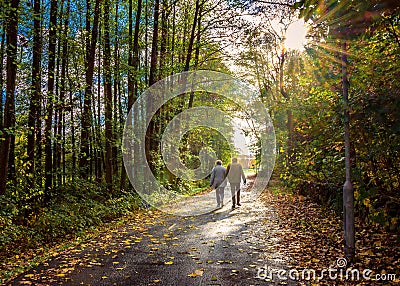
(240, 140)
(296, 36)
(295, 40)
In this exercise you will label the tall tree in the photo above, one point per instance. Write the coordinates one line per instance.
(133, 73)
(59, 144)
(191, 43)
(108, 97)
(35, 90)
(50, 98)
(151, 130)
(192, 36)
(2, 50)
(87, 104)
(9, 108)
(355, 19)
(154, 44)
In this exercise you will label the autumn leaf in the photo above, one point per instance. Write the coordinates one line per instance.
(197, 272)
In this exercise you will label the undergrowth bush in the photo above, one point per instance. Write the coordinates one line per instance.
(72, 210)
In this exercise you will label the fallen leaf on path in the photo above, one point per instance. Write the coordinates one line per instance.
(197, 272)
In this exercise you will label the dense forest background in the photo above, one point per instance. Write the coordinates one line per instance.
(71, 71)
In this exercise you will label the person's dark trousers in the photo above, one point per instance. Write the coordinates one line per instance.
(235, 192)
(220, 196)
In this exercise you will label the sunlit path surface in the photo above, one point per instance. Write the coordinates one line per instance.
(225, 247)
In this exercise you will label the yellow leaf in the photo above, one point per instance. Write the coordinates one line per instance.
(168, 262)
(104, 277)
(192, 275)
(367, 253)
(199, 272)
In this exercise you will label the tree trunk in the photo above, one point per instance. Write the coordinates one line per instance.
(56, 120)
(173, 40)
(2, 45)
(151, 146)
(97, 119)
(163, 40)
(50, 98)
(61, 103)
(197, 51)
(289, 113)
(108, 98)
(117, 78)
(9, 108)
(133, 62)
(130, 79)
(348, 192)
(192, 36)
(146, 40)
(73, 153)
(154, 50)
(35, 92)
(87, 104)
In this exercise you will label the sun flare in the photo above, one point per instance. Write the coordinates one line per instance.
(296, 36)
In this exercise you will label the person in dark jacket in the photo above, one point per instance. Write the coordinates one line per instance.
(217, 180)
(235, 176)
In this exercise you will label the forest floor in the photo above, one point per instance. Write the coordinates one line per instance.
(259, 243)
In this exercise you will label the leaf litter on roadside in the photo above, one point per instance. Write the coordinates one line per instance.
(312, 236)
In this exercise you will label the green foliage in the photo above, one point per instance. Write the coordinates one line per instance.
(317, 168)
(74, 209)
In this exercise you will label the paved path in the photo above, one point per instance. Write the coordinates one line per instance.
(223, 247)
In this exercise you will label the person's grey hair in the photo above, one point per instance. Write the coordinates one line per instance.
(219, 162)
(234, 160)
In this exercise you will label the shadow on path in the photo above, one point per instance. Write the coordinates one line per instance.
(224, 247)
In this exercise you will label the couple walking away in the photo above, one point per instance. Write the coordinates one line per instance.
(235, 174)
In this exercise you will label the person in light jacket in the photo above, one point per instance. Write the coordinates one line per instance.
(235, 176)
(217, 180)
